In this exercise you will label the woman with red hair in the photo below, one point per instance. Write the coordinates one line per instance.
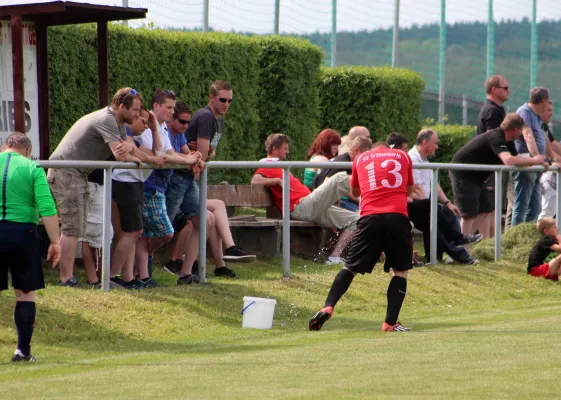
(323, 148)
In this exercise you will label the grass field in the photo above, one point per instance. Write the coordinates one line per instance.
(478, 332)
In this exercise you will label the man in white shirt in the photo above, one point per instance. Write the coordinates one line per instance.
(450, 239)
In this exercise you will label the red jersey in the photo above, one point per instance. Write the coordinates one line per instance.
(297, 189)
(382, 175)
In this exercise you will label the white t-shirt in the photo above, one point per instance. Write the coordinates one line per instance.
(145, 140)
(422, 177)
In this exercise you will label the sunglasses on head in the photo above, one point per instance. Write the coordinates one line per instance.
(183, 121)
(223, 100)
(132, 93)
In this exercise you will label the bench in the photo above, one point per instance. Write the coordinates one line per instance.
(263, 235)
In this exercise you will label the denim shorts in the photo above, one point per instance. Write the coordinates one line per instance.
(182, 195)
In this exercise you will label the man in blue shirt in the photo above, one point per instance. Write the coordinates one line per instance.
(532, 142)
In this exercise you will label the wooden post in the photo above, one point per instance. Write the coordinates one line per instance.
(17, 63)
(43, 87)
(103, 63)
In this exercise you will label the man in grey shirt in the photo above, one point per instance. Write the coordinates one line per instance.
(94, 137)
(532, 142)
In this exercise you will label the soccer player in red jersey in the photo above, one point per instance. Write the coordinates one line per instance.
(383, 178)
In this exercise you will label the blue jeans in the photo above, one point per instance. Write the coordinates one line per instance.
(349, 205)
(527, 197)
(182, 194)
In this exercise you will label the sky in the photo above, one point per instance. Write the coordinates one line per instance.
(306, 16)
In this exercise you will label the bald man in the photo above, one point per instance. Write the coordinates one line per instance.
(355, 132)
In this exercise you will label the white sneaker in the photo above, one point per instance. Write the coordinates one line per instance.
(332, 261)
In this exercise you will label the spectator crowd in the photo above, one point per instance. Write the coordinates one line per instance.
(156, 207)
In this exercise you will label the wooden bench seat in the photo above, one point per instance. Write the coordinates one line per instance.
(263, 235)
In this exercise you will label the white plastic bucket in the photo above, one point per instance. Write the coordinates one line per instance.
(258, 312)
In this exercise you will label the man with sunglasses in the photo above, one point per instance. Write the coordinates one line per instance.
(94, 137)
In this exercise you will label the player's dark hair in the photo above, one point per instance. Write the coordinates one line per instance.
(396, 140)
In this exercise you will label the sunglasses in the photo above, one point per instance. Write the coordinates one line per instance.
(132, 93)
(183, 121)
(503, 87)
(144, 121)
(223, 100)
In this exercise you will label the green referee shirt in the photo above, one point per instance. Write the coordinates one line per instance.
(24, 191)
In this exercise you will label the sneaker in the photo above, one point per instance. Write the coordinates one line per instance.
(332, 261)
(148, 283)
(19, 357)
(418, 263)
(467, 240)
(394, 328)
(224, 272)
(186, 280)
(72, 282)
(173, 267)
(94, 285)
(470, 261)
(236, 254)
(320, 318)
(118, 283)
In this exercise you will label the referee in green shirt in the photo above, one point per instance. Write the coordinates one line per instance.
(24, 196)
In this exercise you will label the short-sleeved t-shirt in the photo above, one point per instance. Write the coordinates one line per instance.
(383, 176)
(533, 121)
(88, 140)
(159, 178)
(540, 251)
(297, 189)
(205, 125)
(329, 172)
(483, 149)
(490, 117)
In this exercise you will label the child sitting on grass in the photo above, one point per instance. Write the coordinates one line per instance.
(549, 243)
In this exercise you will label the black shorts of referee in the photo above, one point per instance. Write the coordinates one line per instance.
(19, 255)
(389, 233)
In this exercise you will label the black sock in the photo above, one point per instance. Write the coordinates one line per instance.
(24, 317)
(396, 294)
(340, 285)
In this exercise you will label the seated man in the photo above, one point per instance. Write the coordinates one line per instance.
(358, 146)
(316, 206)
(450, 239)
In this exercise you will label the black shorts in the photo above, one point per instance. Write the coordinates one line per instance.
(179, 222)
(129, 197)
(19, 254)
(388, 233)
(472, 197)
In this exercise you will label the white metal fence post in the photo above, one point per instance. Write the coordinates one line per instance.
(286, 223)
(202, 225)
(106, 240)
(433, 216)
(498, 213)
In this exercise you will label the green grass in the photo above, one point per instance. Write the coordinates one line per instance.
(484, 331)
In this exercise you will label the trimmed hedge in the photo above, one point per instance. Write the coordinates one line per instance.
(273, 79)
(450, 139)
(288, 92)
(382, 99)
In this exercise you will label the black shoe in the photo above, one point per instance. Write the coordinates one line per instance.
(19, 357)
(118, 283)
(186, 280)
(469, 261)
(147, 283)
(72, 282)
(94, 285)
(320, 318)
(467, 240)
(236, 254)
(173, 267)
(224, 272)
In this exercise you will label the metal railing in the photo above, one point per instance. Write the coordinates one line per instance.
(108, 167)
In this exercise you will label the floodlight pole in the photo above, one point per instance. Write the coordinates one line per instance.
(534, 48)
(333, 32)
(490, 41)
(442, 63)
(276, 27)
(395, 33)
